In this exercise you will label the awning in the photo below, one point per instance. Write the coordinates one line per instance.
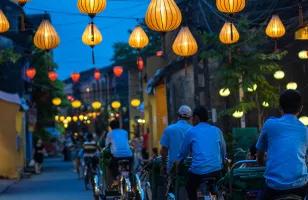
(11, 98)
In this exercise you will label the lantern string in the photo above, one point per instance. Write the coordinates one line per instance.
(93, 56)
(300, 13)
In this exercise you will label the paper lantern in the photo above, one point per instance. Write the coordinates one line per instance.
(31, 72)
(224, 92)
(68, 119)
(75, 118)
(97, 75)
(91, 35)
(303, 54)
(265, 104)
(80, 117)
(185, 44)
(57, 118)
(229, 34)
(252, 88)
(62, 118)
(76, 104)
(117, 71)
(275, 28)
(56, 101)
(138, 39)
(135, 102)
(91, 7)
(52, 75)
(238, 114)
(140, 63)
(279, 74)
(46, 37)
(96, 105)
(163, 15)
(291, 86)
(116, 105)
(304, 120)
(75, 77)
(4, 23)
(302, 33)
(21, 3)
(230, 6)
(159, 53)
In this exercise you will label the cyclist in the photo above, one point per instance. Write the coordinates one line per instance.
(208, 151)
(285, 141)
(173, 136)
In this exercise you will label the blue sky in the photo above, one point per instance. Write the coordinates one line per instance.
(72, 55)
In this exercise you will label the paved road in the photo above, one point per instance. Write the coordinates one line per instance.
(57, 182)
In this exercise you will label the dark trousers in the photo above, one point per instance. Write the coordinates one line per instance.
(194, 181)
(269, 193)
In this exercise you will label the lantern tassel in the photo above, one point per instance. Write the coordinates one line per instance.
(93, 56)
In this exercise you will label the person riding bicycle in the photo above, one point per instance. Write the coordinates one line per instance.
(285, 141)
(90, 150)
(174, 135)
(208, 150)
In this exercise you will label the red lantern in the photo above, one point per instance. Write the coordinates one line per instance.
(52, 75)
(31, 73)
(140, 63)
(117, 71)
(75, 77)
(97, 75)
(159, 53)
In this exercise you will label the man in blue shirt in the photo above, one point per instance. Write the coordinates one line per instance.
(285, 141)
(208, 149)
(173, 136)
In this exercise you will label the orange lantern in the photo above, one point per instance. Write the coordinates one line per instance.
(117, 71)
(229, 34)
(75, 77)
(21, 3)
(185, 44)
(230, 6)
(91, 7)
(140, 63)
(4, 23)
(31, 72)
(97, 75)
(275, 28)
(46, 37)
(52, 75)
(138, 39)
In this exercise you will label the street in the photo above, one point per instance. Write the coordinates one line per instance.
(57, 181)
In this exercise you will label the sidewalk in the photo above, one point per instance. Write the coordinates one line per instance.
(5, 184)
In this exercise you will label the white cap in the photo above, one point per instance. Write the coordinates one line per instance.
(185, 111)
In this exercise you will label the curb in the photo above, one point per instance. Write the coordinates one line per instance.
(6, 188)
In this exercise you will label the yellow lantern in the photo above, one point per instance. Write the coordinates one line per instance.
(91, 7)
(265, 104)
(81, 117)
(135, 102)
(116, 105)
(76, 104)
(91, 35)
(185, 44)
(56, 101)
(4, 23)
(292, 86)
(229, 34)
(138, 39)
(303, 54)
(224, 92)
(62, 118)
(163, 15)
(75, 118)
(279, 75)
(238, 114)
(253, 88)
(85, 118)
(230, 6)
(46, 37)
(304, 120)
(96, 105)
(57, 118)
(68, 119)
(65, 125)
(275, 28)
(302, 33)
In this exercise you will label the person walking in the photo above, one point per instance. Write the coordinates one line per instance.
(39, 152)
(285, 142)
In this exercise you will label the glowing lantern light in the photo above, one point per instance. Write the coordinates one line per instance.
(62, 118)
(163, 15)
(140, 63)
(265, 104)
(275, 28)
(65, 125)
(138, 39)
(302, 33)
(135, 102)
(116, 105)
(229, 34)
(31, 72)
(253, 88)
(224, 92)
(76, 104)
(97, 75)
(81, 117)
(4, 23)
(96, 105)
(57, 118)
(279, 75)
(117, 71)
(46, 37)
(159, 53)
(304, 120)
(75, 77)
(56, 101)
(21, 3)
(91, 7)
(75, 118)
(292, 86)
(230, 6)
(238, 114)
(303, 54)
(185, 44)
(52, 75)
(68, 119)
(91, 35)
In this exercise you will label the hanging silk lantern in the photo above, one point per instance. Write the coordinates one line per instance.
(138, 39)
(279, 74)
(229, 34)
(96, 105)
(91, 7)
(163, 15)
(230, 6)
(275, 28)
(21, 3)
(116, 104)
(265, 104)
(135, 102)
(302, 33)
(4, 23)
(97, 75)
(224, 92)
(185, 44)
(46, 37)
(117, 71)
(75, 77)
(238, 114)
(52, 75)
(140, 63)
(56, 101)
(31, 72)
(76, 104)
(303, 54)
(159, 53)
(291, 86)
